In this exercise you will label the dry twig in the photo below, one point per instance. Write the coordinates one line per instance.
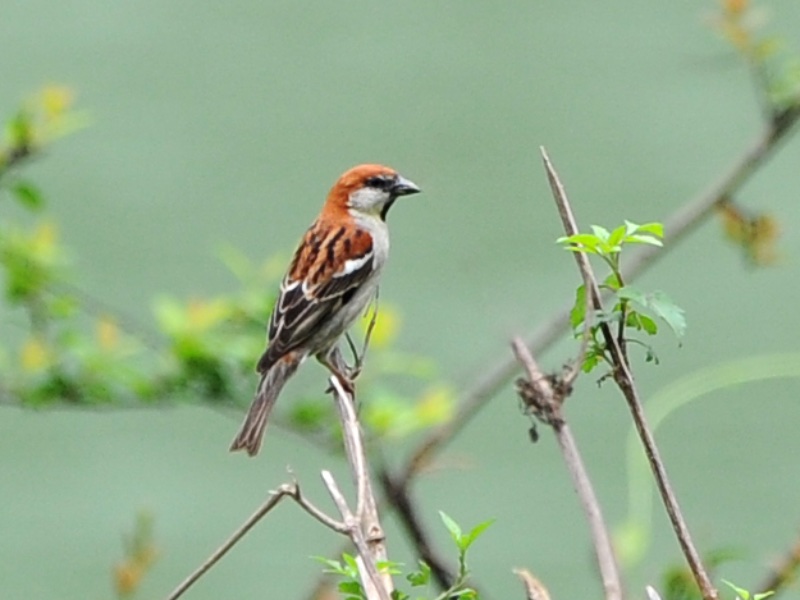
(545, 402)
(292, 490)
(534, 590)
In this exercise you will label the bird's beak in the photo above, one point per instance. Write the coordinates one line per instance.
(404, 187)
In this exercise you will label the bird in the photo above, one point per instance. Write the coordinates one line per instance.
(331, 280)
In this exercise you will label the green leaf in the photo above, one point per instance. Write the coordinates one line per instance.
(389, 566)
(475, 533)
(657, 229)
(617, 235)
(452, 527)
(591, 361)
(660, 304)
(672, 314)
(578, 312)
(420, 578)
(583, 249)
(334, 566)
(741, 592)
(350, 587)
(583, 241)
(631, 293)
(649, 326)
(644, 239)
(601, 232)
(28, 195)
(352, 564)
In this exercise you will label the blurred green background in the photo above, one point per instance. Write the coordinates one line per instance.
(218, 124)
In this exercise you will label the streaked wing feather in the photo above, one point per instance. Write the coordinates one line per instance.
(300, 309)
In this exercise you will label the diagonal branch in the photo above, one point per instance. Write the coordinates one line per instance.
(784, 573)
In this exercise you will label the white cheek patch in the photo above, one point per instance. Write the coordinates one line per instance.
(353, 264)
(368, 200)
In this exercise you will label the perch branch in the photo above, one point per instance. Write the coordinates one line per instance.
(364, 528)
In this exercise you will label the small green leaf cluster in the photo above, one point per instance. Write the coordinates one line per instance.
(350, 584)
(632, 310)
(743, 594)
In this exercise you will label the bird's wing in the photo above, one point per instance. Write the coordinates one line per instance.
(329, 266)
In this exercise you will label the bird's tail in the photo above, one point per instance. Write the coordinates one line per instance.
(272, 382)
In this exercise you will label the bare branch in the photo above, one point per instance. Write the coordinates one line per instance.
(551, 402)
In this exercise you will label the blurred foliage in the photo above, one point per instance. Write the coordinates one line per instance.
(755, 233)
(140, 553)
(203, 349)
(776, 71)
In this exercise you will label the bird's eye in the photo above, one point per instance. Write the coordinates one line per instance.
(380, 182)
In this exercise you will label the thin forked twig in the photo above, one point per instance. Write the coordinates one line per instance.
(292, 490)
(623, 377)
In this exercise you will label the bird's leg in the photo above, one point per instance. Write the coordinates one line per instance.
(335, 363)
(360, 356)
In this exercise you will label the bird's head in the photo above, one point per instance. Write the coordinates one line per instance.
(370, 190)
